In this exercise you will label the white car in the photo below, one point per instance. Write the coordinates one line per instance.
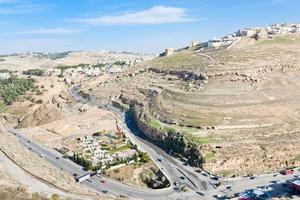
(42, 156)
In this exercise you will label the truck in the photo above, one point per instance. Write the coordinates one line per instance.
(83, 177)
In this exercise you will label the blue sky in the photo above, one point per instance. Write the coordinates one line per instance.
(133, 25)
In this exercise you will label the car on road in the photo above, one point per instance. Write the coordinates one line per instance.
(252, 177)
(103, 181)
(220, 196)
(182, 177)
(201, 193)
(214, 178)
(57, 158)
(42, 156)
(30, 148)
(287, 172)
(75, 174)
(228, 187)
(159, 159)
(105, 191)
(176, 183)
(204, 174)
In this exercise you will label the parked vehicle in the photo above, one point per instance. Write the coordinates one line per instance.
(287, 172)
(201, 193)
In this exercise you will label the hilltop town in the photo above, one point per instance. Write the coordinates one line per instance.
(229, 40)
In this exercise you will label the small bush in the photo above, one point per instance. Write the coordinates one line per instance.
(40, 101)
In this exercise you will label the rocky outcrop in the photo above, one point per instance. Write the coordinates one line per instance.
(182, 74)
(46, 113)
(168, 139)
(154, 178)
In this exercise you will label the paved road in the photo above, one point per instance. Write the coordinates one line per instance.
(174, 169)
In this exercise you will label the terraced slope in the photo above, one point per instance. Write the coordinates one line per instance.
(239, 107)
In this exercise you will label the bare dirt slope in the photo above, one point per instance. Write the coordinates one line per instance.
(239, 105)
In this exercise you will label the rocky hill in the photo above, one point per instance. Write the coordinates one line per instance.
(237, 106)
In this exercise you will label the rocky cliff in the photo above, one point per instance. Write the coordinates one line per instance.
(168, 139)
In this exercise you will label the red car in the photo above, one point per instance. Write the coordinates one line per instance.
(287, 172)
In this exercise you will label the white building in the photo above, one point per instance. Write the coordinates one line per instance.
(4, 76)
(214, 43)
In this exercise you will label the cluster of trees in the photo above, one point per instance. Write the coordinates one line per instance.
(83, 162)
(12, 88)
(52, 56)
(142, 157)
(120, 63)
(34, 72)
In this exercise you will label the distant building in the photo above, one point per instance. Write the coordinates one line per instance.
(194, 43)
(169, 51)
(52, 71)
(262, 34)
(214, 43)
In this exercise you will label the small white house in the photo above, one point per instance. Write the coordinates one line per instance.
(4, 76)
(214, 43)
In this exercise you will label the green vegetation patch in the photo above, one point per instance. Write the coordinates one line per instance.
(225, 173)
(34, 72)
(209, 156)
(182, 60)
(122, 148)
(13, 87)
(3, 107)
(201, 140)
(155, 124)
(278, 40)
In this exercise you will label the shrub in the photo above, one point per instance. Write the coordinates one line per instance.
(34, 72)
(40, 101)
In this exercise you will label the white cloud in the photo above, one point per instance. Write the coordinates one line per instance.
(46, 31)
(154, 15)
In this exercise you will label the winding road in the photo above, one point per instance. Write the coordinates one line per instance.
(198, 186)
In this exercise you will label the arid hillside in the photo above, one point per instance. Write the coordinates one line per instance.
(238, 105)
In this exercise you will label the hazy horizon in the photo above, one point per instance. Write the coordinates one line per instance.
(134, 26)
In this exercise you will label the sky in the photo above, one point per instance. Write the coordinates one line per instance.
(146, 26)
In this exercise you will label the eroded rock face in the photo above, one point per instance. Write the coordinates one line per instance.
(154, 178)
(182, 74)
(47, 113)
(169, 140)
